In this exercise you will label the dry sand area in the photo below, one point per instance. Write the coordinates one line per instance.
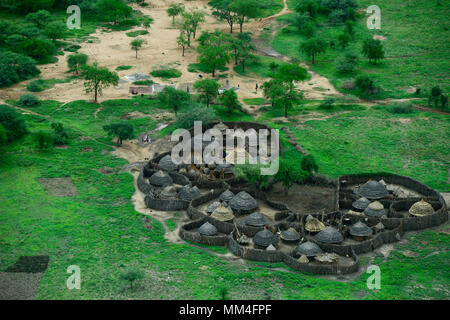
(112, 49)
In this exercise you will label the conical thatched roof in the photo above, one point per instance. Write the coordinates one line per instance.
(243, 201)
(188, 193)
(421, 208)
(372, 190)
(375, 209)
(329, 235)
(227, 195)
(207, 229)
(213, 206)
(314, 225)
(271, 248)
(308, 249)
(264, 238)
(160, 178)
(290, 235)
(168, 192)
(360, 229)
(223, 214)
(256, 219)
(166, 163)
(361, 203)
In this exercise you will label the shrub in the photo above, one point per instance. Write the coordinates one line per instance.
(289, 173)
(72, 48)
(132, 276)
(197, 112)
(38, 49)
(144, 82)
(347, 63)
(60, 135)
(76, 61)
(44, 140)
(121, 68)
(137, 33)
(28, 100)
(166, 73)
(309, 164)
(35, 86)
(15, 67)
(3, 137)
(400, 108)
(365, 84)
(13, 123)
(327, 103)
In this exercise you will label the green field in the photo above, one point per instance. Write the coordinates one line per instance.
(417, 49)
(99, 230)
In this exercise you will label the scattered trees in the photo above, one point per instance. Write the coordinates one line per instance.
(174, 10)
(222, 11)
(436, 96)
(97, 78)
(121, 130)
(182, 41)
(136, 45)
(244, 9)
(230, 100)
(312, 47)
(173, 98)
(373, 49)
(242, 48)
(76, 61)
(208, 88)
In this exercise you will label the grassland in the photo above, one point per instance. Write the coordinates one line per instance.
(100, 231)
(416, 46)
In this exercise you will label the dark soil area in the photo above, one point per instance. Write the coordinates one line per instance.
(305, 199)
(59, 187)
(31, 264)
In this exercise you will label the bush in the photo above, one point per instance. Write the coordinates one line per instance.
(137, 33)
(144, 82)
(347, 63)
(327, 103)
(35, 86)
(15, 67)
(365, 84)
(28, 100)
(400, 108)
(197, 112)
(60, 137)
(73, 48)
(38, 49)
(132, 276)
(121, 68)
(13, 123)
(166, 73)
(44, 140)
(3, 137)
(309, 164)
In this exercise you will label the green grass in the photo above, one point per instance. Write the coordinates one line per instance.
(260, 67)
(411, 61)
(144, 83)
(358, 140)
(166, 73)
(99, 230)
(44, 84)
(255, 101)
(269, 7)
(137, 33)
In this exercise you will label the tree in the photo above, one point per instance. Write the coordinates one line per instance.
(121, 130)
(196, 112)
(60, 136)
(313, 47)
(373, 49)
(43, 139)
(195, 18)
(289, 173)
(435, 94)
(347, 63)
(131, 276)
(185, 26)
(97, 78)
(28, 100)
(307, 6)
(136, 45)
(244, 9)
(30, 31)
(208, 88)
(272, 90)
(182, 41)
(364, 83)
(230, 100)
(76, 61)
(113, 10)
(16, 67)
(214, 50)
(343, 39)
(242, 48)
(174, 10)
(38, 49)
(222, 11)
(12, 122)
(291, 72)
(289, 96)
(40, 18)
(173, 98)
(55, 30)
(309, 164)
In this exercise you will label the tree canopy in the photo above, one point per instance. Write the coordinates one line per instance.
(214, 49)
(113, 10)
(15, 67)
(136, 45)
(208, 88)
(76, 61)
(121, 130)
(173, 98)
(97, 78)
(373, 49)
(312, 47)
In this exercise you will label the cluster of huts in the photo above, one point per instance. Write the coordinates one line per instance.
(370, 210)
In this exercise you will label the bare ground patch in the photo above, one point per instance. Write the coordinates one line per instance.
(58, 187)
(19, 285)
